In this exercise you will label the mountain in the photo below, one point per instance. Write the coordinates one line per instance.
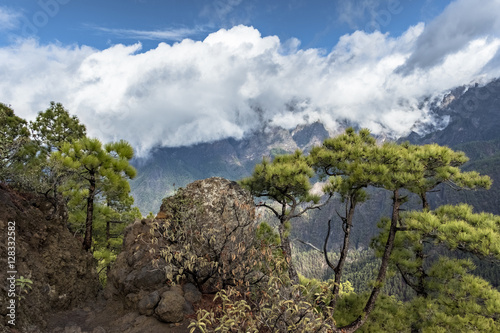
(169, 168)
(473, 112)
(474, 128)
(473, 122)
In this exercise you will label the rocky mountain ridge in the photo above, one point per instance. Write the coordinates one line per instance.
(473, 113)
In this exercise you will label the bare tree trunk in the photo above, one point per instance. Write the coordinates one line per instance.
(87, 242)
(346, 226)
(287, 252)
(425, 203)
(370, 304)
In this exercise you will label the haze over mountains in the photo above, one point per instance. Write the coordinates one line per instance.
(469, 118)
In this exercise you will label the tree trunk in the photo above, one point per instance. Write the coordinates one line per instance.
(421, 291)
(347, 225)
(87, 242)
(370, 304)
(425, 203)
(420, 256)
(287, 252)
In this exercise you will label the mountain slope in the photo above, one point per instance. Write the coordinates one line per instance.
(474, 122)
(474, 114)
(169, 168)
(474, 128)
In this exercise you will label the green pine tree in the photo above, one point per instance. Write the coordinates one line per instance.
(104, 170)
(349, 161)
(287, 182)
(14, 135)
(54, 127)
(50, 130)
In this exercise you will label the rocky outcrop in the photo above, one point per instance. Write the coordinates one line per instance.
(63, 275)
(217, 218)
(215, 208)
(139, 296)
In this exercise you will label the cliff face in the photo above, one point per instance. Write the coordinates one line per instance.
(63, 275)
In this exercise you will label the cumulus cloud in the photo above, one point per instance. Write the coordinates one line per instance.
(236, 81)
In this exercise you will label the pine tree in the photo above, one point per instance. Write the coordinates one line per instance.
(445, 288)
(14, 136)
(55, 126)
(50, 130)
(441, 165)
(349, 160)
(287, 182)
(102, 169)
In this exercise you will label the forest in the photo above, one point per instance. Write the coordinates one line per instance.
(418, 275)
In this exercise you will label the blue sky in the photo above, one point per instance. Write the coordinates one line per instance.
(176, 73)
(316, 23)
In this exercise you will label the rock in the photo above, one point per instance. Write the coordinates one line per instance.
(178, 289)
(148, 303)
(188, 308)
(109, 293)
(64, 275)
(149, 277)
(191, 293)
(133, 270)
(135, 257)
(99, 329)
(170, 309)
(217, 218)
(131, 300)
(138, 279)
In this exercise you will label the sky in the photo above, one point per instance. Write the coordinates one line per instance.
(174, 73)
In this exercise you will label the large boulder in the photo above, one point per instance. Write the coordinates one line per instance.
(170, 309)
(210, 220)
(211, 223)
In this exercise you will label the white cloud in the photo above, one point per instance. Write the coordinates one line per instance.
(353, 12)
(9, 19)
(461, 23)
(177, 34)
(236, 81)
(223, 11)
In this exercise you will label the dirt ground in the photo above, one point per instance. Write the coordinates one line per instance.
(109, 317)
